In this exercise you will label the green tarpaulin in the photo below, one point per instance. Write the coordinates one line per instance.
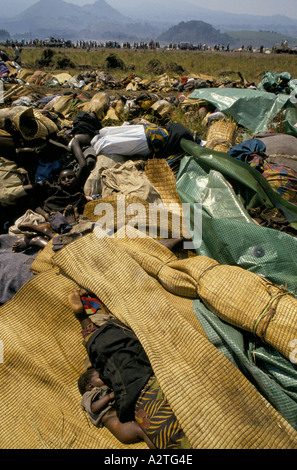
(274, 376)
(229, 235)
(252, 109)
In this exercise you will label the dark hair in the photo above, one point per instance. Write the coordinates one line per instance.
(84, 379)
(67, 168)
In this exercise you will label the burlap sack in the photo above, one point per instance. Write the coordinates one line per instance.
(129, 178)
(29, 217)
(99, 105)
(12, 179)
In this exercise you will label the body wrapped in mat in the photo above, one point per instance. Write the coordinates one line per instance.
(151, 291)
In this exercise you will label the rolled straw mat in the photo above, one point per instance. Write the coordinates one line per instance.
(221, 136)
(32, 124)
(236, 295)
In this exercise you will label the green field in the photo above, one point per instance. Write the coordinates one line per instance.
(252, 66)
(258, 38)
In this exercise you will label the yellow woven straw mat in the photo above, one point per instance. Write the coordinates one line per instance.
(43, 357)
(42, 261)
(118, 210)
(215, 404)
(221, 136)
(252, 303)
(161, 176)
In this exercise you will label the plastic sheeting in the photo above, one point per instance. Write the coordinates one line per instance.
(253, 109)
(229, 235)
(274, 376)
(247, 182)
(275, 82)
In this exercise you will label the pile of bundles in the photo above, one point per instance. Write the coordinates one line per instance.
(96, 80)
(217, 316)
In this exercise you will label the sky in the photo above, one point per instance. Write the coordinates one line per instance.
(256, 7)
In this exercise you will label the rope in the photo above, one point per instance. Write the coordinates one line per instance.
(205, 271)
(269, 313)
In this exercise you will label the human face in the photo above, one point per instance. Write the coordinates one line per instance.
(96, 381)
(67, 179)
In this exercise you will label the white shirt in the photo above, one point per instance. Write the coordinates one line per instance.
(121, 140)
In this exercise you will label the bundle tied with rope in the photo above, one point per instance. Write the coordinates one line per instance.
(237, 296)
(252, 303)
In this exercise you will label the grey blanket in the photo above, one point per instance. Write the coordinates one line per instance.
(14, 267)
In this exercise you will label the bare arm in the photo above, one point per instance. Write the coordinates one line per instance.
(78, 142)
(127, 433)
(97, 405)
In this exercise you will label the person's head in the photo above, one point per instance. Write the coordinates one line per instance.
(88, 380)
(67, 179)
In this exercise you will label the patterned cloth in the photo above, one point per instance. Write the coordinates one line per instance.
(281, 178)
(90, 304)
(156, 418)
(165, 141)
(157, 138)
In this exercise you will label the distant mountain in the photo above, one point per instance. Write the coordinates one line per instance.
(52, 17)
(167, 13)
(101, 11)
(129, 21)
(97, 21)
(195, 32)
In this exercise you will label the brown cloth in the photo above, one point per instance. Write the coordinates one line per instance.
(129, 178)
(87, 400)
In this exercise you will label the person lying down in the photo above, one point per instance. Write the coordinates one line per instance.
(119, 390)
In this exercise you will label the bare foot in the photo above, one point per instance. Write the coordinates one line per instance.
(71, 214)
(23, 243)
(20, 245)
(74, 299)
(43, 229)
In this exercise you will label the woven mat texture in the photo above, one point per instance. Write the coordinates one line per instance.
(42, 359)
(215, 404)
